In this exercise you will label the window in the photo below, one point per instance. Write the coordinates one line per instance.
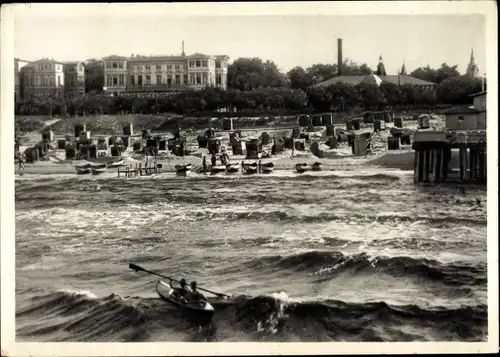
(122, 79)
(139, 79)
(109, 81)
(115, 80)
(169, 80)
(120, 64)
(158, 66)
(185, 79)
(158, 79)
(198, 63)
(148, 67)
(217, 64)
(219, 79)
(205, 64)
(52, 81)
(59, 80)
(205, 78)
(148, 79)
(177, 79)
(80, 67)
(177, 66)
(132, 80)
(191, 64)
(115, 65)
(169, 66)
(198, 78)
(191, 78)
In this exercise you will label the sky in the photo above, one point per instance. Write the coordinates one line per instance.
(288, 40)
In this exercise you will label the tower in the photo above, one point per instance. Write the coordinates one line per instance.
(339, 56)
(472, 69)
(183, 53)
(381, 67)
(403, 70)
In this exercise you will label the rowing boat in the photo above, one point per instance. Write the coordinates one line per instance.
(250, 168)
(316, 166)
(183, 170)
(300, 168)
(232, 168)
(267, 168)
(202, 308)
(217, 169)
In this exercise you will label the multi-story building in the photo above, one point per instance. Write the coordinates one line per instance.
(18, 78)
(74, 79)
(43, 78)
(115, 74)
(163, 74)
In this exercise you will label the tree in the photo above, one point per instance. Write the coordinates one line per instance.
(424, 73)
(392, 93)
(445, 72)
(251, 73)
(457, 90)
(322, 72)
(94, 76)
(299, 78)
(371, 96)
(351, 68)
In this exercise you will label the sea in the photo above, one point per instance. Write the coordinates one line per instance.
(358, 254)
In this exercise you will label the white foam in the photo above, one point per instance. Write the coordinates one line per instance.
(80, 292)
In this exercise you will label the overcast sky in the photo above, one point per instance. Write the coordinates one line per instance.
(288, 40)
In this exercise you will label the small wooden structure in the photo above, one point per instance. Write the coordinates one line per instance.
(148, 169)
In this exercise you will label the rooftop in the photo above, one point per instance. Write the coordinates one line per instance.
(374, 79)
(461, 110)
(478, 94)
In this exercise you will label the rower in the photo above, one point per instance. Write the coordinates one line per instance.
(195, 295)
(182, 291)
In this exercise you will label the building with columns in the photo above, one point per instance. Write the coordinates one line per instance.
(163, 74)
(43, 78)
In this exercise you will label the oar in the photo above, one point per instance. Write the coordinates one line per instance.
(138, 268)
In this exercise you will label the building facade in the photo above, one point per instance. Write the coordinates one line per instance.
(18, 78)
(43, 78)
(163, 74)
(74, 79)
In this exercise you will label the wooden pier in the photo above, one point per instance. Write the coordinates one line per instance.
(433, 155)
(138, 170)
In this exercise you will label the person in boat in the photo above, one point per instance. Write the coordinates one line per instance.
(194, 294)
(214, 160)
(205, 168)
(182, 291)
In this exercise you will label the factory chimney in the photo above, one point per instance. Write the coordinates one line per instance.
(339, 56)
(183, 54)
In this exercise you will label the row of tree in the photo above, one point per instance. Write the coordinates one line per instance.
(278, 99)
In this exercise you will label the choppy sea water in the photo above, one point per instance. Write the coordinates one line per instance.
(359, 255)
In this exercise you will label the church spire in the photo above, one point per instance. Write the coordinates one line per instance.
(381, 67)
(403, 70)
(472, 69)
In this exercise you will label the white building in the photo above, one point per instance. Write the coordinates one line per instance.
(163, 74)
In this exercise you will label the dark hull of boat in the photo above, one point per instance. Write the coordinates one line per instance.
(194, 314)
(98, 172)
(83, 171)
(183, 173)
(232, 170)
